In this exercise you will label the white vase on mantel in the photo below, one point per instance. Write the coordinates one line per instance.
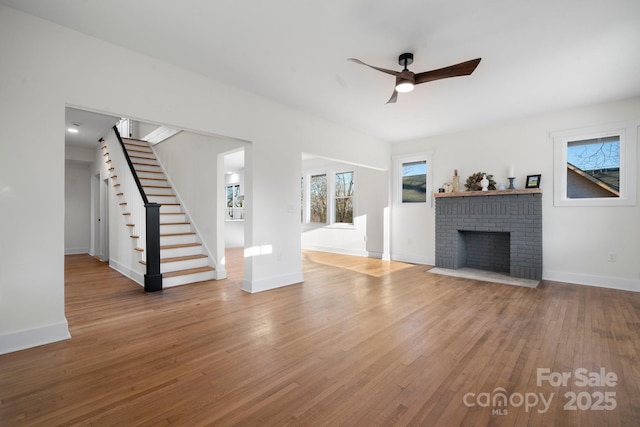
(484, 182)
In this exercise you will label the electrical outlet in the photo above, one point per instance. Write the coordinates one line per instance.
(613, 257)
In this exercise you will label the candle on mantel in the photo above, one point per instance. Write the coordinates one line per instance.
(511, 172)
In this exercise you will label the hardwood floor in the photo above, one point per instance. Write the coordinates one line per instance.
(360, 343)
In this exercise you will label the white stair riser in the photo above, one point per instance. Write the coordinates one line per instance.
(130, 142)
(143, 157)
(141, 168)
(177, 240)
(135, 147)
(139, 151)
(143, 175)
(162, 199)
(181, 217)
(170, 209)
(166, 267)
(178, 228)
(145, 181)
(158, 190)
(175, 252)
(187, 278)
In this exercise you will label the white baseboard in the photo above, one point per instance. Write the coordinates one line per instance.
(126, 271)
(271, 283)
(76, 251)
(593, 280)
(22, 340)
(414, 259)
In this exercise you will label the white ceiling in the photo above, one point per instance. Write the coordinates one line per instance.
(537, 56)
(91, 127)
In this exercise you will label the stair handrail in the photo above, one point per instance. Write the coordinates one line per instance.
(153, 278)
(131, 168)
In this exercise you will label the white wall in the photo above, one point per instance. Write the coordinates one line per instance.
(77, 208)
(141, 129)
(576, 240)
(367, 236)
(77, 219)
(192, 162)
(110, 79)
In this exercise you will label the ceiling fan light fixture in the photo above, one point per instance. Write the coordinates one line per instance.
(404, 86)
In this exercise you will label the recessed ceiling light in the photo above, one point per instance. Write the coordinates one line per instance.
(72, 130)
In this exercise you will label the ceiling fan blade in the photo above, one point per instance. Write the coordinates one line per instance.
(461, 69)
(384, 70)
(394, 97)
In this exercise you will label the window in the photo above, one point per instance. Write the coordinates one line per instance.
(413, 179)
(328, 198)
(595, 166)
(235, 202)
(344, 198)
(318, 198)
(414, 182)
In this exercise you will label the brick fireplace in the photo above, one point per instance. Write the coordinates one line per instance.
(491, 230)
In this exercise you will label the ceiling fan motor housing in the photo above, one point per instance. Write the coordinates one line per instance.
(405, 59)
(405, 76)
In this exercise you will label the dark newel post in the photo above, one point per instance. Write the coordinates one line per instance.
(153, 278)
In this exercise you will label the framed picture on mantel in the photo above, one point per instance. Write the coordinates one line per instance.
(533, 181)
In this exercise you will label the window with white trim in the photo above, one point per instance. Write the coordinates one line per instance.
(328, 198)
(318, 198)
(595, 166)
(344, 198)
(413, 179)
(414, 182)
(235, 202)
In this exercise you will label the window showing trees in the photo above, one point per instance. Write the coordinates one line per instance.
(328, 198)
(414, 182)
(235, 202)
(318, 198)
(344, 198)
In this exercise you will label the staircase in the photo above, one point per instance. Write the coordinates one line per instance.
(183, 258)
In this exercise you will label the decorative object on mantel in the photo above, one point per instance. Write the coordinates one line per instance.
(484, 183)
(511, 178)
(456, 181)
(533, 181)
(473, 182)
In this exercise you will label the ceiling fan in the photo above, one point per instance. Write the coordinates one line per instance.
(406, 80)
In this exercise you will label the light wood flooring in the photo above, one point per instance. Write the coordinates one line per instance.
(360, 343)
